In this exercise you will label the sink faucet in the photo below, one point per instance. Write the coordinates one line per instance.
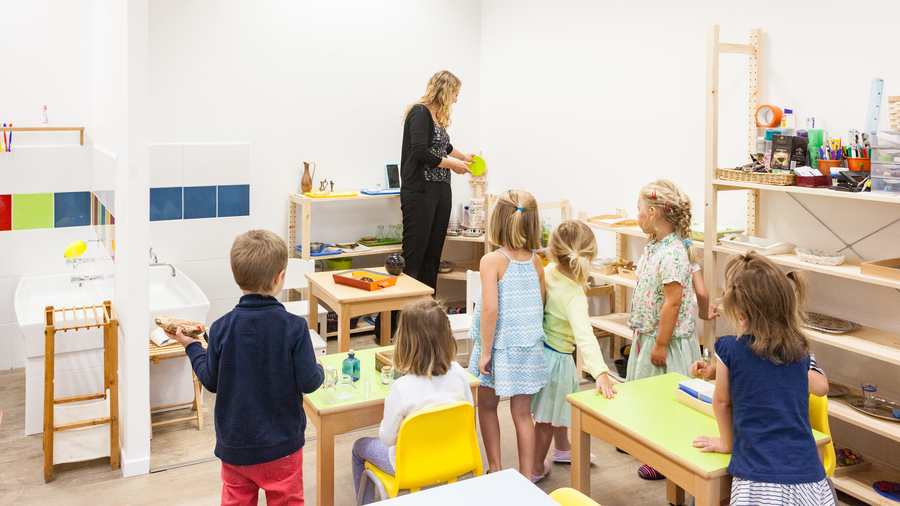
(81, 279)
(165, 264)
(155, 261)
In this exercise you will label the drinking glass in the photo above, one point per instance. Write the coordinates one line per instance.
(367, 387)
(380, 236)
(329, 387)
(345, 387)
(869, 391)
(387, 375)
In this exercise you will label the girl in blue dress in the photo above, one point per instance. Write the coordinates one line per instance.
(507, 326)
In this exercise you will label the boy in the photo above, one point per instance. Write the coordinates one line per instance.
(259, 362)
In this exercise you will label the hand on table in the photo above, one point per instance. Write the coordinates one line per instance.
(710, 444)
(658, 355)
(605, 385)
(181, 338)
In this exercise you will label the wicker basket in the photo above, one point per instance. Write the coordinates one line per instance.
(756, 177)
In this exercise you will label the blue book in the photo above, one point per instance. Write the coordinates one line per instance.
(698, 389)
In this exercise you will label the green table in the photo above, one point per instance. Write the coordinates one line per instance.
(646, 420)
(344, 416)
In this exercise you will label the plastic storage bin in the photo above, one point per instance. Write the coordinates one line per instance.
(886, 185)
(745, 243)
(885, 169)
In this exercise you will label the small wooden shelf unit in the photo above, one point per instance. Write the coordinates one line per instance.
(47, 129)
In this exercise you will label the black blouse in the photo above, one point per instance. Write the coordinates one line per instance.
(419, 152)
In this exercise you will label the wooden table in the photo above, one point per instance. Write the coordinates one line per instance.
(348, 301)
(345, 416)
(647, 421)
(505, 487)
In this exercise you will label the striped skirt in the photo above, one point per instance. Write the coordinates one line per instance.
(755, 493)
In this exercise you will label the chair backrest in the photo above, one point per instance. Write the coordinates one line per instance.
(295, 275)
(473, 289)
(571, 497)
(437, 445)
(818, 419)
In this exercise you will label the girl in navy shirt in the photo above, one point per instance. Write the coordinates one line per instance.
(761, 398)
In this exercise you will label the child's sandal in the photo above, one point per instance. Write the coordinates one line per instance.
(648, 473)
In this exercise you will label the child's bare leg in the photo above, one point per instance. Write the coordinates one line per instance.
(520, 409)
(561, 439)
(543, 436)
(490, 426)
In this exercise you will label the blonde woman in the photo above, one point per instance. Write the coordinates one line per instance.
(426, 164)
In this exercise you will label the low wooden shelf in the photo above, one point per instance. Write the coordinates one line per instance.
(46, 129)
(799, 190)
(464, 238)
(632, 231)
(373, 250)
(872, 343)
(615, 323)
(859, 484)
(459, 272)
(614, 279)
(838, 408)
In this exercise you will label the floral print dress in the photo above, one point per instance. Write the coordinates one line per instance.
(662, 262)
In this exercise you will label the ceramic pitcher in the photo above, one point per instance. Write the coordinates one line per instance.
(307, 179)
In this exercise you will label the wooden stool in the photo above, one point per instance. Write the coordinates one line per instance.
(107, 320)
(175, 350)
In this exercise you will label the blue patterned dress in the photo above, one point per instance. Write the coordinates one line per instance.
(518, 365)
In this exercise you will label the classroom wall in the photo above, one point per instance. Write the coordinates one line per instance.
(592, 100)
(323, 82)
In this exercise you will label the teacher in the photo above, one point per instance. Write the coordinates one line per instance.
(426, 162)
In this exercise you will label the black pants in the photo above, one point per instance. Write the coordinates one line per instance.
(426, 214)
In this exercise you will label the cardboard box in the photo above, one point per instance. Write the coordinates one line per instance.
(887, 269)
(787, 149)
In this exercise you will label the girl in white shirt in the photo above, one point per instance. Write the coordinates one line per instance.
(425, 351)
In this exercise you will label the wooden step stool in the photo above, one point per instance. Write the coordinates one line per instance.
(175, 350)
(107, 320)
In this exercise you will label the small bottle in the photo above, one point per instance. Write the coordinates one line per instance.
(545, 232)
(45, 121)
(465, 217)
(787, 119)
(350, 366)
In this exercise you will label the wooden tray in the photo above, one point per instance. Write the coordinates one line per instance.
(628, 272)
(384, 358)
(353, 278)
(382, 243)
(613, 220)
(692, 402)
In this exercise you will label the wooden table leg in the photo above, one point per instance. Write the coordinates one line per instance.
(325, 462)
(581, 455)
(313, 313)
(198, 401)
(709, 492)
(343, 329)
(385, 328)
(674, 493)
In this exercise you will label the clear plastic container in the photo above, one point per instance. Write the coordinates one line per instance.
(885, 169)
(886, 185)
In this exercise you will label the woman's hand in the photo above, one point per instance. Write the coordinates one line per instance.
(458, 166)
(658, 355)
(469, 157)
(710, 445)
(606, 386)
(484, 364)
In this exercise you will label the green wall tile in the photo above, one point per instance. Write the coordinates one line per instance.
(32, 210)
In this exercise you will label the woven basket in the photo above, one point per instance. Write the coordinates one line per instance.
(819, 257)
(756, 177)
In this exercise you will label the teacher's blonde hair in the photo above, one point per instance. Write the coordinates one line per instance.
(439, 91)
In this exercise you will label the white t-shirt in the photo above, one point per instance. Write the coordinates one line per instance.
(413, 393)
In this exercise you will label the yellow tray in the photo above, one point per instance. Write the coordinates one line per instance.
(328, 195)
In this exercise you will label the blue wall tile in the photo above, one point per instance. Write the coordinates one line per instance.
(72, 209)
(234, 200)
(165, 203)
(199, 202)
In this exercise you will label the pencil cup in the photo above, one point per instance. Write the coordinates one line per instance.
(826, 167)
(859, 163)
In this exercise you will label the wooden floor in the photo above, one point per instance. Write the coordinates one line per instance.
(614, 480)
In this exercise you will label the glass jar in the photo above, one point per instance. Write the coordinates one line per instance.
(350, 366)
(387, 375)
(329, 386)
(345, 387)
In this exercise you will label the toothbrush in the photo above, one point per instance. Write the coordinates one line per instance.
(4, 138)
(9, 148)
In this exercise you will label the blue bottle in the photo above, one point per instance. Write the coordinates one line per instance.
(351, 366)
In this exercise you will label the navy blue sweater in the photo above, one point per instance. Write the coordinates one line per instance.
(259, 363)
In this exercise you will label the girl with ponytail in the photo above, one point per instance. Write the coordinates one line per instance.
(508, 356)
(566, 324)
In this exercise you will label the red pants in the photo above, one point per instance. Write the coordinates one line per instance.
(282, 480)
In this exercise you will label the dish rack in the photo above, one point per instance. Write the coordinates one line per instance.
(756, 177)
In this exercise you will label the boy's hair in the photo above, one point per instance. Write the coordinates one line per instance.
(756, 289)
(515, 221)
(257, 256)
(424, 344)
(574, 246)
(674, 206)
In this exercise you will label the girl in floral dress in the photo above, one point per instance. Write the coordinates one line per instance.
(662, 315)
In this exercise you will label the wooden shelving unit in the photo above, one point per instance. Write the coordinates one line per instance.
(614, 323)
(869, 342)
(47, 129)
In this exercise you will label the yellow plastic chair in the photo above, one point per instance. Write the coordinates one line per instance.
(818, 418)
(435, 445)
(570, 497)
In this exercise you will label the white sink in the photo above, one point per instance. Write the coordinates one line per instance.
(79, 355)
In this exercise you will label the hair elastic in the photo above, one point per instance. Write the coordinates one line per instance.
(520, 208)
(687, 242)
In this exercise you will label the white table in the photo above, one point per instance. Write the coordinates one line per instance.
(505, 487)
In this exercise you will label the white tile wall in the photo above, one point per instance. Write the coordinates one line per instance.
(6, 172)
(39, 252)
(6, 359)
(7, 247)
(103, 171)
(217, 308)
(7, 289)
(16, 346)
(213, 277)
(166, 165)
(216, 164)
(168, 240)
(49, 169)
(212, 237)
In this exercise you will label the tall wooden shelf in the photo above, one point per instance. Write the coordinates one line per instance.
(872, 343)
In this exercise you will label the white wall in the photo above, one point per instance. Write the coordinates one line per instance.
(592, 100)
